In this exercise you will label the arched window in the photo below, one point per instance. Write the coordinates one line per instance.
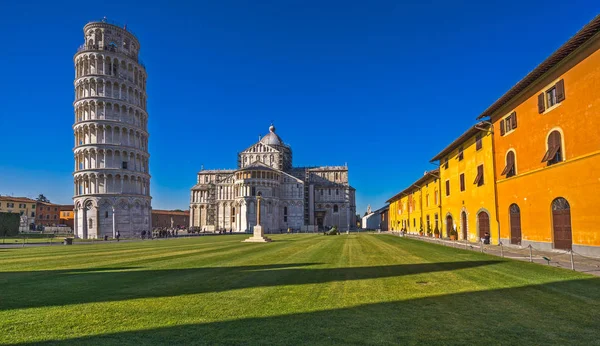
(284, 210)
(555, 152)
(510, 168)
(335, 208)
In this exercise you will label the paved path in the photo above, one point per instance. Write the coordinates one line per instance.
(561, 259)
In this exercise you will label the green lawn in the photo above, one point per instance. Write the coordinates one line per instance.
(300, 289)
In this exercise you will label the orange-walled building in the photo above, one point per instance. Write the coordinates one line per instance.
(547, 150)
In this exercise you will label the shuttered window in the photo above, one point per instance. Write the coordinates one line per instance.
(478, 142)
(461, 154)
(508, 124)
(509, 169)
(552, 96)
(447, 187)
(446, 163)
(462, 182)
(479, 179)
(554, 153)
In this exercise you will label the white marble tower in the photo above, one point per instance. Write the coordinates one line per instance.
(111, 177)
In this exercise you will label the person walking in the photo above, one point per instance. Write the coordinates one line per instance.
(118, 236)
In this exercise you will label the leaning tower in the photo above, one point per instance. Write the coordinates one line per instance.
(111, 177)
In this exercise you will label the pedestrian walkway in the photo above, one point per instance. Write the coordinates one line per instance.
(556, 258)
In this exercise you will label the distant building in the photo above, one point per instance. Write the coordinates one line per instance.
(67, 215)
(417, 208)
(26, 207)
(170, 218)
(468, 189)
(385, 218)
(375, 220)
(308, 198)
(47, 214)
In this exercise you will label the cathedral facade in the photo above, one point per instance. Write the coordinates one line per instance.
(299, 198)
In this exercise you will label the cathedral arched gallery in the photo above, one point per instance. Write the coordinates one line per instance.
(298, 198)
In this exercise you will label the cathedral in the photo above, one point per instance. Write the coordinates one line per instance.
(307, 199)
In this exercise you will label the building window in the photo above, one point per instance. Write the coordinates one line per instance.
(478, 142)
(435, 197)
(124, 164)
(508, 124)
(447, 187)
(55, 209)
(436, 221)
(461, 154)
(335, 208)
(509, 169)
(554, 153)
(253, 190)
(321, 192)
(551, 97)
(329, 192)
(479, 178)
(427, 200)
(55, 217)
(47, 217)
(21, 213)
(90, 223)
(445, 163)
(462, 182)
(284, 210)
(337, 191)
(32, 214)
(106, 215)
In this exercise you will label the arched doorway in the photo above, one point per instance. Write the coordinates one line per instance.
(463, 216)
(515, 224)
(484, 224)
(561, 224)
(449, 225)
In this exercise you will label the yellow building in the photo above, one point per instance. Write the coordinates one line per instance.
(22, 205)
(468, 185)
(417, 208)
(547, 150)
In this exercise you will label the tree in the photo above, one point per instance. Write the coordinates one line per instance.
(9, 224)
(42, 198)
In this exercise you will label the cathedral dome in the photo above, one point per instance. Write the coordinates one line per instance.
(271, 138)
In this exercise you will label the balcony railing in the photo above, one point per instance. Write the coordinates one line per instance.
(95, 47)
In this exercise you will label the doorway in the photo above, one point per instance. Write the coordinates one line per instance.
(463, 216)
(449, 225)
(484, 224)
(561, 224)
(515, 224)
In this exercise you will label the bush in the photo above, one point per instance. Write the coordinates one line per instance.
(333, 231)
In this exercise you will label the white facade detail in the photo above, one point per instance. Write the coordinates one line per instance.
(111, 175)
(298, 198)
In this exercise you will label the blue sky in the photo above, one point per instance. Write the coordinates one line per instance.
(380, 85)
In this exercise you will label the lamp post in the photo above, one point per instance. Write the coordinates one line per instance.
(114, 223)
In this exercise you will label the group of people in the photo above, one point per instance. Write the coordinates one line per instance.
(164, 233)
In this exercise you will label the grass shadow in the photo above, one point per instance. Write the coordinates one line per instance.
(529, 315)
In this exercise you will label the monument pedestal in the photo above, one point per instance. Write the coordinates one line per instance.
(257, 237)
